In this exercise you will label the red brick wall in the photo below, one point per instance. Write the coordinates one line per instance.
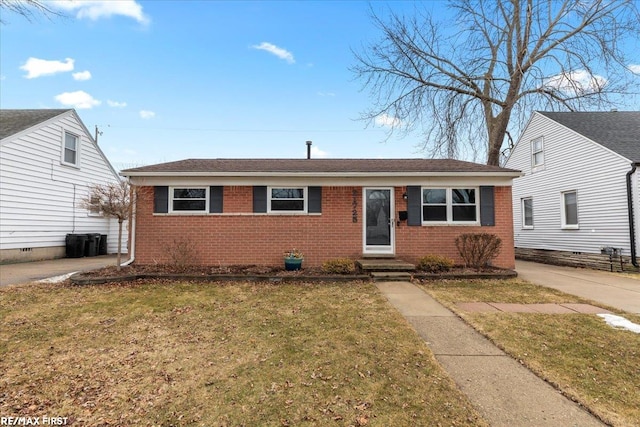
(240, 237)
(415, 242)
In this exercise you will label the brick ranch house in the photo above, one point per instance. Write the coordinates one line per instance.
(249, 211)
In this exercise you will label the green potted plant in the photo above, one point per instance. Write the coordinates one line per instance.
(293, 260)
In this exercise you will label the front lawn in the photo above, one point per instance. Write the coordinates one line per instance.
(153, 353)
(588, 360)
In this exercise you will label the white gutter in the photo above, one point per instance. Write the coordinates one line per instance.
(285, 174)
(132, 240)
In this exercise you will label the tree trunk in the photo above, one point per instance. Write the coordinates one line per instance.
(119, 245)
(497, 131)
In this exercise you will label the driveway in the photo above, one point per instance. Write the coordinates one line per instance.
(612, 289)
(25, 272)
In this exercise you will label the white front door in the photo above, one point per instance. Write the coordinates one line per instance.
(379, 221)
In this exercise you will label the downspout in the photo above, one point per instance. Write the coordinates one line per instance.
(632, 226)
(132, 231)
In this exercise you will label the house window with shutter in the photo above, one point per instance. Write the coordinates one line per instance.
(287, 200)
(70, 149)
(192, 200)
(449, 206)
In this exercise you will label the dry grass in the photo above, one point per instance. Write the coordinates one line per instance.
(211, 354)
(593, 363)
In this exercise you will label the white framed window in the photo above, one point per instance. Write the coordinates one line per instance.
(70, 149)
(189, 199)
(569, 209)
(527, 212)
(450, 206)
(287, 199)
(537, 153)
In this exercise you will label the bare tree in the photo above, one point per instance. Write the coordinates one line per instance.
(476, 79)
(27, 8)
(112, 200)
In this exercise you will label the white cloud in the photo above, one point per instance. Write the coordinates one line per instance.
(386, 120)
(325, 94)
(78, 99)
(146, 114)
(577, 82)
(634, 68)
(41, 67)
(96, 9)
(82, 75)
(275, 50)
(317, 153)
(116, 104)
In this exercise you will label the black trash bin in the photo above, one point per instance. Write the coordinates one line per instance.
(102, 247)
(91, 247)
(75, 245)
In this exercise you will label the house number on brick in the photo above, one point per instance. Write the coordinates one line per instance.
(354, 205)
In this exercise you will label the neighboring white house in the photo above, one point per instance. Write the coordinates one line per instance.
(580, 188)
(48, 161)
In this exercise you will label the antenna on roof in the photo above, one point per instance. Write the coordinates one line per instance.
(309, 149)
(98, 133)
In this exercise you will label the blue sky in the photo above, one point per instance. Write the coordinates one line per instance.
(168, 80)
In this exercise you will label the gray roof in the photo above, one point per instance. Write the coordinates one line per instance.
(619, 131)
(15, 121)
(320, 166)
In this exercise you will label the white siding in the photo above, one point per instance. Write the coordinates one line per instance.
(39, 195)
(571, 162)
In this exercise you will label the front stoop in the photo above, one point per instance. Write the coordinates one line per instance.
(385, 269)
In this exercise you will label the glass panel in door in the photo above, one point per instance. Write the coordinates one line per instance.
(378, 215)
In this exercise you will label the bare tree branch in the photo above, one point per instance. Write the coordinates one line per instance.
(113, 200)
(29, 9)
(478, 84)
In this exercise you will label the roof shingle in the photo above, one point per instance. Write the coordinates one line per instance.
(212, 166)
(15, 121)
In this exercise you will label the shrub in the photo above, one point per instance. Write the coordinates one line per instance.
(435, 263)
(339, 266)
(478, 249)
(182, 254)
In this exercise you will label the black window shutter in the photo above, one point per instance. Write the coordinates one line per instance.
(315, 200)
(161, 199)
(414, 205)
(487, 206)
(259, 199)
(215, 199)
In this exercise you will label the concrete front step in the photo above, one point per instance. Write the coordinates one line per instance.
(390, 276)
(384, 264)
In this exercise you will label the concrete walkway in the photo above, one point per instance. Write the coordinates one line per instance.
(25, 272)
(611, 289)
(503, 391)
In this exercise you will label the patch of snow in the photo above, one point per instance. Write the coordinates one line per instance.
(620, 322)
(57, 279)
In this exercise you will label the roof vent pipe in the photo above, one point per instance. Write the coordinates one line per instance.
(309, 149)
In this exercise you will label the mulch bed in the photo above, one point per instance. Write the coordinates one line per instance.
(256, 273)
(209, 273)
